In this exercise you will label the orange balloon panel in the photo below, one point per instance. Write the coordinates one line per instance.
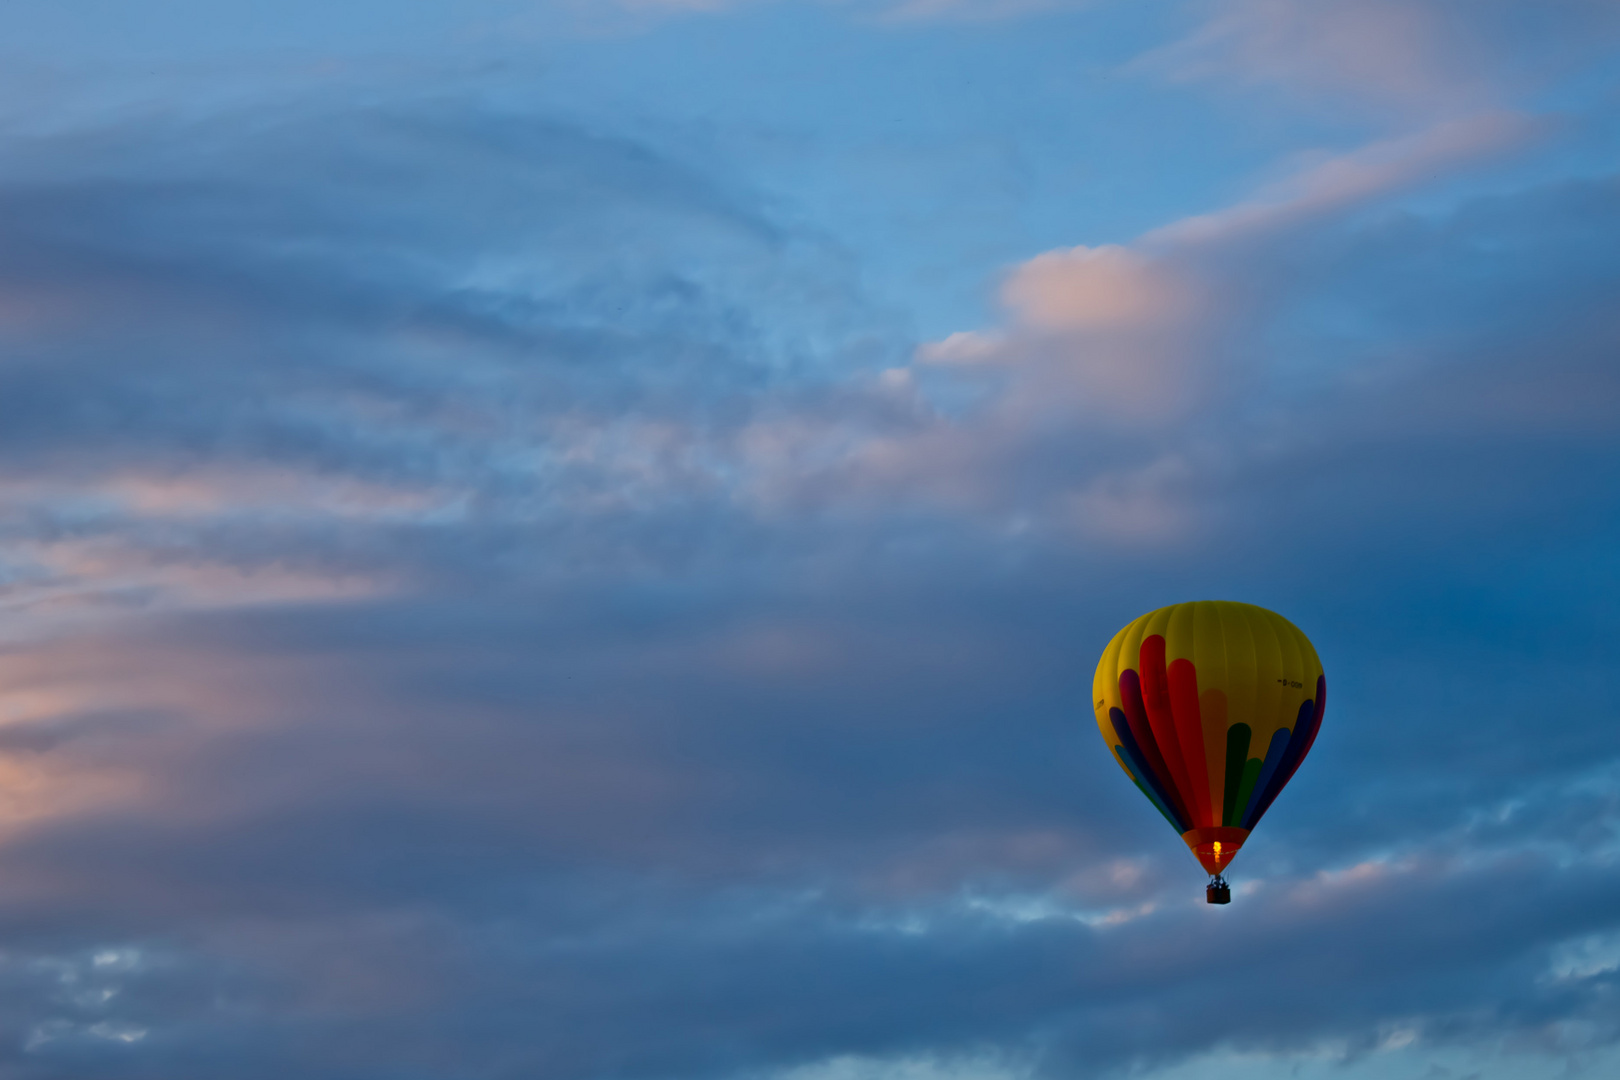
(1209, 707)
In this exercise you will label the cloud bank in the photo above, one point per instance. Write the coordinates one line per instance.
(487, 597)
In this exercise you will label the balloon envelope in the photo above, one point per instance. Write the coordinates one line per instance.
(1209, 707)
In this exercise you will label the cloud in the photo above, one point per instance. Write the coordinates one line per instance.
(1091, 288)
(1346, 181)
(460, 847)
(926, 11)
(353, 386)
(1138, 334)
(1436, 57)
(885, 11)
(1378, 50)
(1116, 358)
(557, 634)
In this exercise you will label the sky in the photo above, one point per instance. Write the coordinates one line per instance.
(569, 539)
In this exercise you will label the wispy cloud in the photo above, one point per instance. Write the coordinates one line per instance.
(1343, 182)
(480, 595)
(1434, 57)
(1141, 334)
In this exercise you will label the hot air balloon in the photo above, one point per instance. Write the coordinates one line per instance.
(1210, 707)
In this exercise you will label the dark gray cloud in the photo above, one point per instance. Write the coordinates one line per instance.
(480, 610)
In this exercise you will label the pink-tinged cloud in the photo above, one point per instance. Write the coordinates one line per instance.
(928, 11)
(740, 705)
(1404, 58)
(1138, 337)
(1101, 288)
(1126, 330)
(1378, 49)
(1346, 181)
